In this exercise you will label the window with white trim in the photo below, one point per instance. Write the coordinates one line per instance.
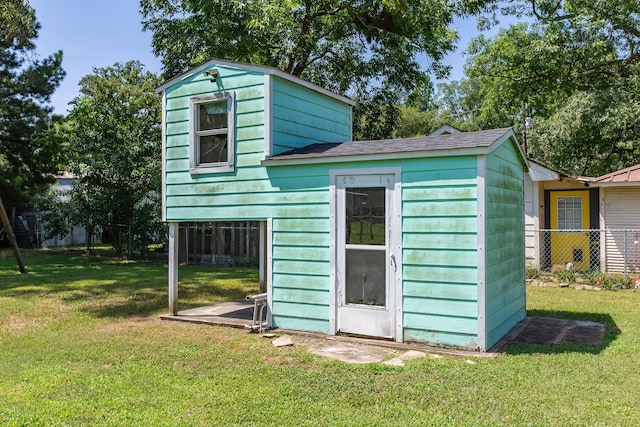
(211, 142)
(569, 213)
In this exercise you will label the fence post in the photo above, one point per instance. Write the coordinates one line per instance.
(625, 254)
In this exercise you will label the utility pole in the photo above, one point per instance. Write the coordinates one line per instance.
(12, 237)
(526, 125)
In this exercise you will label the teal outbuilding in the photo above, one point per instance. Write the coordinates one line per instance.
(416, 239)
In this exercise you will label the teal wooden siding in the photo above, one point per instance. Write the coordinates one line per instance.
(297, 198)
(216, 196)
(439, 239)
(505, 258)
(300, 280)
(301, 117)
(300, 248)
(439, 196)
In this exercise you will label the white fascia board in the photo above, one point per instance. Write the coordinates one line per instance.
(510, 134)
(257, 69)
(445, 129)
(373, 157)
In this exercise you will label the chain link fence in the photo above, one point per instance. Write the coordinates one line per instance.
(220, 243)
(593, 250)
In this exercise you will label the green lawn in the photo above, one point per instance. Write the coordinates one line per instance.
(81, 344)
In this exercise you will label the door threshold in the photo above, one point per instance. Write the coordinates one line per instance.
(366, 337)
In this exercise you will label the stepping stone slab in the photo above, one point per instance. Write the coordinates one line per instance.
(282, 341)
(351, 353)
(396, 361)
(412, 354)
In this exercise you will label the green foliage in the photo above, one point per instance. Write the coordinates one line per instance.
(113, 132)
(572, 66)
(27, 156)
(18, 23)
(590, 133)
(595, 278)
(532, 272)
(615, 282)
(566, 276)
(366, 49)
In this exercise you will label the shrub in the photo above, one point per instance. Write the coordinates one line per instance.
(533, 272)
(595, 278)
(566, 276)
(617, 282)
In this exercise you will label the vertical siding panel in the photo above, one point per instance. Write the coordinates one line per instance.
(439, 250)
(505, 246)
(620, 212)
(301, 117)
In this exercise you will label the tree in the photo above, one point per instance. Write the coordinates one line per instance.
(113, 131)
(367, 49)
(574, 66)
(590, 134)
(27, 157)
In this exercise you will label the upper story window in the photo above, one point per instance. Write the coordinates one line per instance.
(211, 133)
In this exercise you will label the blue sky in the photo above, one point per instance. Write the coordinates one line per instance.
(96, 34)
(91, 34)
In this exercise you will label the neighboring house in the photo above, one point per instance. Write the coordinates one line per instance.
(557, 201)
(76, 236)
(415, 239)
(619, 194)
(591, 223)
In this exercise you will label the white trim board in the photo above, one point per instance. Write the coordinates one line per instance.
(253, 68)
(268, 115)
(269, 272)
(395, 244)
(482, 258)
(450, 152)
(163, 144)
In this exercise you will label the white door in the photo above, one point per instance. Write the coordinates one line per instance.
(366, 265)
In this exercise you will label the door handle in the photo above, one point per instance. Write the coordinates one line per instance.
(393, 261)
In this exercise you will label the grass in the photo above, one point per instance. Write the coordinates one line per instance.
(81, 344)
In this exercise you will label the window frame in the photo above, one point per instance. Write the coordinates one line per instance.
(195, 167)
(566, 224)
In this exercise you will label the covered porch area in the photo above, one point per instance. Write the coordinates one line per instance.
(246, 313)
(250, 313)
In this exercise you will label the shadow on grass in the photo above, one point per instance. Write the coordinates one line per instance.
(105, 287)
(548, 336)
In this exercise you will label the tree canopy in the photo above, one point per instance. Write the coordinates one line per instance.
(571, 65)
(113, 132)
(27, 158)
(367, 49)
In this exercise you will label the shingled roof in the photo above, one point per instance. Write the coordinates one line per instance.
(446, 142)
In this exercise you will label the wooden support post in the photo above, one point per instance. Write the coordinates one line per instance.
(173, 267)
(262, 262)
(12, 237)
